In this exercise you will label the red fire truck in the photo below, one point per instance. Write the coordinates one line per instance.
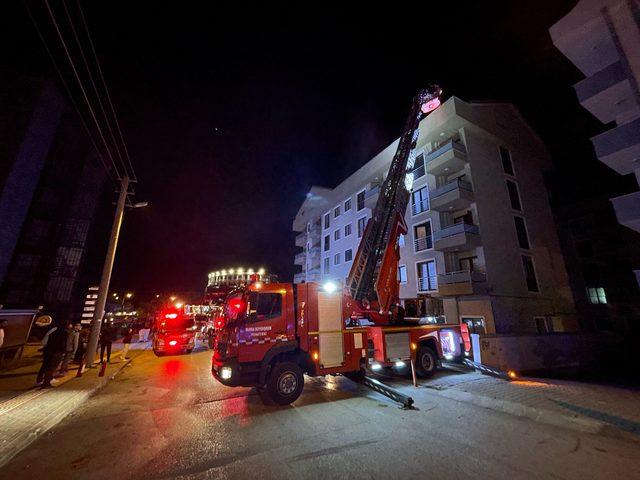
(275, 333)
(176, 332)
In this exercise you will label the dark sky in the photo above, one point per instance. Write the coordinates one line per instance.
(231, 114)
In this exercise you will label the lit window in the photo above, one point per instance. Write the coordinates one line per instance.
(597, 295)
(402, 274)
(420, 201)
(401, 240)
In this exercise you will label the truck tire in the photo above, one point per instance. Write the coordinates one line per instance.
(426, 361)
(285, 383)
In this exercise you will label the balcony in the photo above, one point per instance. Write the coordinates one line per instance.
(627, 208)
(463, 282)
(300, 258)
(299, 277)
(455, 195)
(423, 243)
(619, 147)
(448, 158)
(428, 284)
(301, 239)
(457, 237)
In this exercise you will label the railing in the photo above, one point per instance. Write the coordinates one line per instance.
(448, 187)
(456, 229)
(445, 147)
(300, 258)
(423, 243)
(462, 276)
(301, 238)
(419, 207)
(427, 284)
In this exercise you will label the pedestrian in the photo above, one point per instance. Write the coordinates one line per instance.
(126, 341)
(73, 338)
(53, 351)
(3, 325)
(107, 334)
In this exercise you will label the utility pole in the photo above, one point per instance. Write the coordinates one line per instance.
(98, 314)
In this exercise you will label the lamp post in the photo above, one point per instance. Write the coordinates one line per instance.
(107, 268)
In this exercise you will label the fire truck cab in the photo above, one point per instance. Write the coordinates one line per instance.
(176, 332)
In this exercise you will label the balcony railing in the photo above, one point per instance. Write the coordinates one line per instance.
(301, 239)
(420, 206)
(462, 276)
(300, 258)
(445, 147)
(423, 243)
(426, 284)
(456, 229)
(448, 187)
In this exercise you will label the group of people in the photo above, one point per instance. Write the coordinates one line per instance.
(60, 344)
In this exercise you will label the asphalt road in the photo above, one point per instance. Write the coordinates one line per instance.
(168, 418)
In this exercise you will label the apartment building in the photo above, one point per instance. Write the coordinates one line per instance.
(481, 242)
(602, 39)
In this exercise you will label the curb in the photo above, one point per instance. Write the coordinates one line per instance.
(549, 417)
(10, 447)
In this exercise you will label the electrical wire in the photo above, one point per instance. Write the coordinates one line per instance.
(71, 97)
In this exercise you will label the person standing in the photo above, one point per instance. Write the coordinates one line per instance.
(52, 354)
(3, 325)
(126, 341)
(73, 338)
(107, 334)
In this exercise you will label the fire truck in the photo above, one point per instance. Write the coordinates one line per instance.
(273, 334)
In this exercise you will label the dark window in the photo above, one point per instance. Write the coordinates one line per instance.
(468, 263)
(348, 255)
(521, 232)
(347, 205)
(420, 200)
(327, 220)
(530, 273)
(544, 324)
(336, 235)
(327, 242)
(327, 262)
(418, 170)
(362, 222)
(514, 197)
(360, 201)
(336, 259)
(507, 164)
(264, 306)
(347, 230)
(336, 212)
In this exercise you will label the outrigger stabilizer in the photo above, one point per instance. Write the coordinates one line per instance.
(405, 400)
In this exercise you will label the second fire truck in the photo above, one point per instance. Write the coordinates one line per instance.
(273, 334)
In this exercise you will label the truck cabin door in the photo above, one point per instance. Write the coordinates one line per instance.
(264, 327)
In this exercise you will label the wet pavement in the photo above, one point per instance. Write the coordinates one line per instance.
(168, 418)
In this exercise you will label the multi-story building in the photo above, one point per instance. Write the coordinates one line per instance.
(481, 240)
(50, 187)
(602, 39)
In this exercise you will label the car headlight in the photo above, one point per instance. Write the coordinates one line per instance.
(225, 373)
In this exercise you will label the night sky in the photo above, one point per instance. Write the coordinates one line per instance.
(230, 115)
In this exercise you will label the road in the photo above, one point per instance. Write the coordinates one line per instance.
(167, 418)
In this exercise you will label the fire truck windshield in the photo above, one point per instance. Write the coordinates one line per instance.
(182, 322)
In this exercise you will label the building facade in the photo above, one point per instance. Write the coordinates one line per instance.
(602, 39)
(481, 246)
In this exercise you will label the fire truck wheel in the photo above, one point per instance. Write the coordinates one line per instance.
(285, 383)
(425, 362)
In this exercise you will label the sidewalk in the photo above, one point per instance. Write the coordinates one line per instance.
(582, 406)
(27, 412)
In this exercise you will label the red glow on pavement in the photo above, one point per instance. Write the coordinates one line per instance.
(172, 368)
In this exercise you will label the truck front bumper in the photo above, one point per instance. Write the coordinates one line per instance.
(233, 374)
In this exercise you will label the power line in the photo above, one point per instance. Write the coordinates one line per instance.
(93, 84)
(68, 90)
(106, 89)
(79, 80)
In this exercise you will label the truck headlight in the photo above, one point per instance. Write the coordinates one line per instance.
(225, 373)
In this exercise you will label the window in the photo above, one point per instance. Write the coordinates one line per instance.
(468, 263)
(422, 237)
(362, 223)
(402, 273)
(327, 263)
(544, 324)
(308, 227)
(418, 170)
(360, 201)
(401, 240)
(507, 164)
(264, 306)
(336, 212)
(347, 230)
(420, 201)
(336, 259)
(347, 205)
(427, 276)
(521, 232)
(514, 196)
(336, 235)
(327, 242)
(530, 273)
(327, 220)
(597, 295)
(348, 255)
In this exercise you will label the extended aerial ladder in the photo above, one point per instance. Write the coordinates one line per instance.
(372, 280)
